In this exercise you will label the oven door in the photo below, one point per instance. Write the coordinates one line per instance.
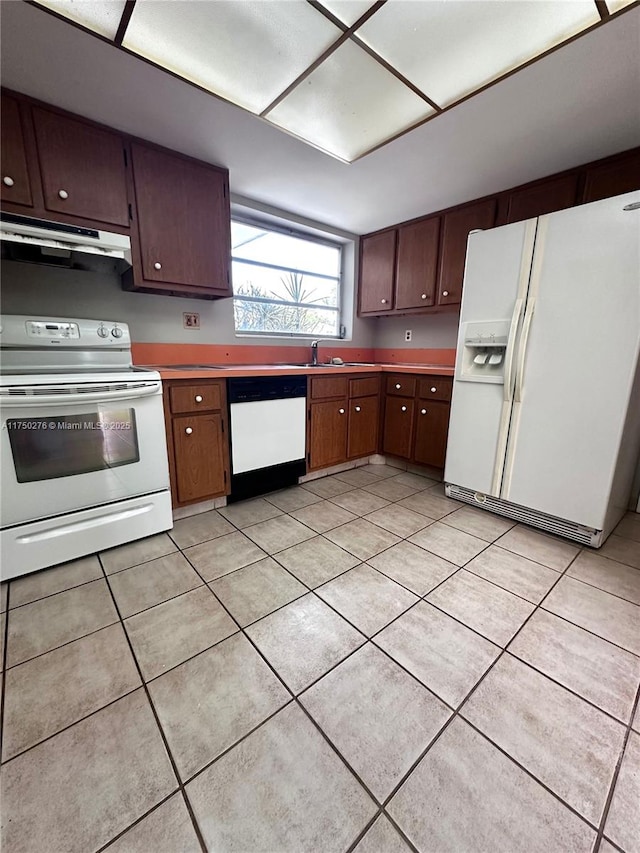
(66, 449)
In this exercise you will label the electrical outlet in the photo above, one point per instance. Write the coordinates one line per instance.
(407, 335)
(191, 321)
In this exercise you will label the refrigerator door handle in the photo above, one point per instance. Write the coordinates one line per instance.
(511, 348)
(526, 327)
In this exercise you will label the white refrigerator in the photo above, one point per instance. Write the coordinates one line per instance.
(545, 414)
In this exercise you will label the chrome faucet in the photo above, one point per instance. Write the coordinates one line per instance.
(314, 351)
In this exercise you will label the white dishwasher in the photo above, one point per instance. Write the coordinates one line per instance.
(268, 433)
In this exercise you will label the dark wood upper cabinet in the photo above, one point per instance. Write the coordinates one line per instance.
(16, 184)
(619, 176)
(455, 230)
(183, 224)
(83, 168)
(541, 198)
(377, 267)
(417, 263)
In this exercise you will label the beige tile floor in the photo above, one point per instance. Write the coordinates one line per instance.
(357, 664)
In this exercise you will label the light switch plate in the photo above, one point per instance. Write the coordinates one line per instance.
(191, 321)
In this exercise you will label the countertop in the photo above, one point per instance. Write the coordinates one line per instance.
(224, 372)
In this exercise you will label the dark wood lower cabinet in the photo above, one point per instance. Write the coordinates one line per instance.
(343, 419)
(416, 427)
(199, 456)
(197, 442)
(398, 426)
(432, 424)
(328, 433)
(363, 426)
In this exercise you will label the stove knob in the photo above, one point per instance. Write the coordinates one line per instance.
(116, 332)
(103, 332)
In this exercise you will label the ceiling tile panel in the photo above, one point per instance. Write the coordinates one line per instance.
(101, 16)
(349, 104)
(247, 52)
(449, 48)
(347, 11)
(616, 5)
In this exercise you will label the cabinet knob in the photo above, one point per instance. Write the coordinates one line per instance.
(384, 301)
(357, 408)
(424, 296)
(157, 266)
(403, 408)
(398, 386)
(189, 430)
(199, 397)
(433, 390)
(341, 411)
(445, 292)
(8, 181)
(63, 194)
(423, 411)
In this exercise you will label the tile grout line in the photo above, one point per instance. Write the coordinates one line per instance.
(172, 761)
(5, 652)
(616, 773)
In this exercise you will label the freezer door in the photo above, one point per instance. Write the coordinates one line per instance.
(495, 287)
(576, 362)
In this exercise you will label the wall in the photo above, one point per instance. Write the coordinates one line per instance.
(439, 331)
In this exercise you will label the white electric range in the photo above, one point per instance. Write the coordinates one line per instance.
(82, 443)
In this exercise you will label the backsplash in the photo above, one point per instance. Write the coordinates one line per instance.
(156, 322)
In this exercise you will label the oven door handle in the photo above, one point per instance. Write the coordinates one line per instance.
(17, 401)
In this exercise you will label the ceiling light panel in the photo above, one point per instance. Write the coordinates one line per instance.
(247, 52)
(347, 11)
(101, 16)
(349, 104)
(616, 5)
(449, 48)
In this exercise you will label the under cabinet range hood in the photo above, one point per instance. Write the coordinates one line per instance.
(58, 244)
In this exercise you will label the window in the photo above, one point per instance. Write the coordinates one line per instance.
(284, 283)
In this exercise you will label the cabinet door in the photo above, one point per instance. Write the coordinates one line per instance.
(432, 424)
(455, 231)
(417, 263)
(83, 168)
(377, 264)
(363, 427)
(183, 221)
(609, 179)
(398, 426)
(546, 197)
(328, 434)
(199, 456)
(16, 185)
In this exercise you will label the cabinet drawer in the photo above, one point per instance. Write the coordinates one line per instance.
(401, 385)
(435, 387)
(365, 387)
(328, 386)
(195, 398)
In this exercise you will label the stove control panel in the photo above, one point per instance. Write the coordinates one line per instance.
(20, 331)
(42, 329)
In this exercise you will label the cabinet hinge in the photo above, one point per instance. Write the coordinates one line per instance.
(225, 477)
(308, 459)
(309, 415)
(130, 213)
(222, 425)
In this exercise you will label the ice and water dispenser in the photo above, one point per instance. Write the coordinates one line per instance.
(483, 354)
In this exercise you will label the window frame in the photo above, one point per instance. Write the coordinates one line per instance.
(287, 231)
